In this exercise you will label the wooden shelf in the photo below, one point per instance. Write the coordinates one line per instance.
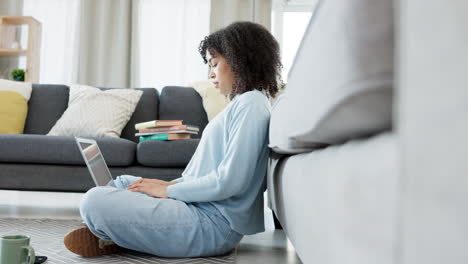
(19, 20)
(12, 52)
(8, 32)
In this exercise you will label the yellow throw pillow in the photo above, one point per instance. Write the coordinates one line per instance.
(213, 101)
(13, 112)
(14, 97)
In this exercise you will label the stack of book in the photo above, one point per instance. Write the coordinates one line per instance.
(165, 130)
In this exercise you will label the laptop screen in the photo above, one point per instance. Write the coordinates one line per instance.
(96, 164)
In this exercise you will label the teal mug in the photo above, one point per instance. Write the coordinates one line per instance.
(16, 250)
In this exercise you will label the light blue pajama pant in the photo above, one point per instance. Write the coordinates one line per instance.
(162, 227)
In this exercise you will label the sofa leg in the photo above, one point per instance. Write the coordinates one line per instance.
(277, 223)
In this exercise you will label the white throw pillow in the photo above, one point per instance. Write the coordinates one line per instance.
(341, 84)
(23, 88)
(213, 101)
(92, 112)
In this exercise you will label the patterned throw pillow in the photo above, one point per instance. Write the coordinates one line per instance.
(14, 97)
(92, 112)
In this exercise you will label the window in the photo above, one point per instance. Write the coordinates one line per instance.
(289, 22)
(164, 40)
(166, 50)
(58, 47)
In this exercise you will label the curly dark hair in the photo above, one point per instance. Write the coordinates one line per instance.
(252, 53)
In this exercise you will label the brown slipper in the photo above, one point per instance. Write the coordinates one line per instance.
(84, 243)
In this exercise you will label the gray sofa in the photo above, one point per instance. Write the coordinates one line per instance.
(34, 161)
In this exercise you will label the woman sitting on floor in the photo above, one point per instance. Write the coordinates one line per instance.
(219, 197)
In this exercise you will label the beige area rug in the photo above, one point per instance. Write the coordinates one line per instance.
(47, 240)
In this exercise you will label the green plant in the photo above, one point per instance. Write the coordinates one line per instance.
(18, 75)
(282, 86)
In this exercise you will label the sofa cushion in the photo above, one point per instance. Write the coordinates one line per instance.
(341, 84)
(183, 103)
(45, 107)
(146, 109)
(92, 112)
(62, 150)
(158, 153)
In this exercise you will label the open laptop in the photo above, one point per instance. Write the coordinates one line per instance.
(95, 161)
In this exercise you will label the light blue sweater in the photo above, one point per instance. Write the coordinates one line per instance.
(229, 166)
